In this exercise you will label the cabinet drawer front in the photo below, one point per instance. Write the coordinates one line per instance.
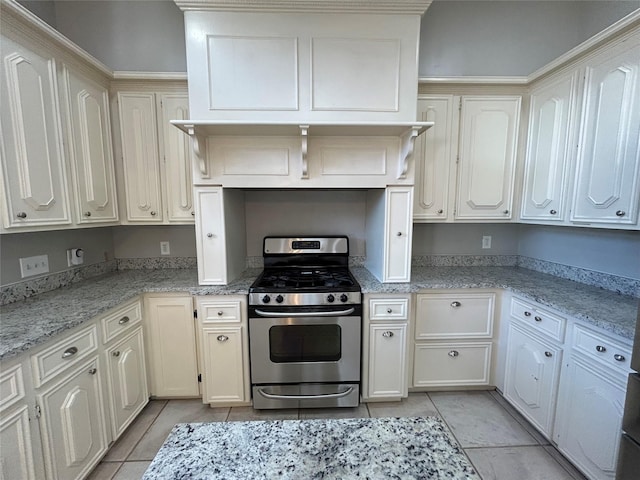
(454, 315)
(63, 354)
(11, 386)
(121, 321)
(604, 350)
(538, 318)
(451, 364)
(388, 309)
(220, 312)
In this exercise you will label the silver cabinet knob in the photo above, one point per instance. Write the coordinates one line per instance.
(527, 314)
(506, 212)
(456, 304)
(621, 213)
(387, 334)
(537, 319)
(440, 212)
(552, 212)
(619, 358)
(70, 352)
(116, 353)
(220, 313)
(601, 349)
(399, 234)
(548, 354)
(453, 353)
(222, 338)
(123, 320)
(87, 214)
(21, 215)
(153, 213)
(193, 214)
(209, 234)
(93, 371)
(389, 310)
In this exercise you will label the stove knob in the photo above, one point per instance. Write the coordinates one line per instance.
(330, 298)
(279, 299)
(343, 298)
(266, 299)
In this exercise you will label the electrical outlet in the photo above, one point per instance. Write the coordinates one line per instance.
(486, 241)
(165, 248)
(36, 265)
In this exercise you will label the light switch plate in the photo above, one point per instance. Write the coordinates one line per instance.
(165, 248)
(30, 266)
(486, 241)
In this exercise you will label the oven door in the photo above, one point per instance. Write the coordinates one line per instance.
(305, 349)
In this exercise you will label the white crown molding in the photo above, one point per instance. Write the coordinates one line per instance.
(488, 80)
(407, 7)
(161, 76)
(21, 20)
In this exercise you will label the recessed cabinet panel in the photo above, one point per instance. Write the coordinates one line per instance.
(15, 445)
(387, 360)
(398, 234)
(33, 166)
(210, 236)
(451, 364)
(608, 176)
(454, 316)
(223, 356)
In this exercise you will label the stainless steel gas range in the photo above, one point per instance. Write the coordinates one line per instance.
(305, 321)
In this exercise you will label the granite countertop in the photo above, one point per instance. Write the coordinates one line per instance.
(419, 447)
(29, 323)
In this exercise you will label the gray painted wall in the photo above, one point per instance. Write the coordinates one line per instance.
(144, 241)
(464, 239)
(44, 9)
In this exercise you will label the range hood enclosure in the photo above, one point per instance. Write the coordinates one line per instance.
(302, 66)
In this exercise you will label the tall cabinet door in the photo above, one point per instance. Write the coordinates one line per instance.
(608, 177)
(33, 167)
(89, 147)
(435, 157)
(550, 149)
(210, 236)
(398, 234)
(175, 151)
(140, 159)
(487, 157)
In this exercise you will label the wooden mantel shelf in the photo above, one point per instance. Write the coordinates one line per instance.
(199, 131)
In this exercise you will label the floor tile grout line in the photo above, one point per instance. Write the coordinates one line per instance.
(166, 402)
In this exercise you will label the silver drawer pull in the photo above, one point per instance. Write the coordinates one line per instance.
(70, 352)
(440, 212)
(621, 213)
(116, 353)
(93, 371)
(527, 314)
(389, 310)
(537, 319)
(600, 348)
(123, 320)
(210, 235)
(387, 334)
(456, 304)
(399, 234)
(548, 354)
(21, 215)
(453, 353)
(552, 212)
(220, 313)
(619, 358)
(222, 338)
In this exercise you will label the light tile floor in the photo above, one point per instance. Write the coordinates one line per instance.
(500, 443)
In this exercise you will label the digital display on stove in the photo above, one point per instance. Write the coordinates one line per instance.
(305, 244)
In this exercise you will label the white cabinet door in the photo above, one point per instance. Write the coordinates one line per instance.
(387, 375)
(532, 371)
(435, 159)
(74, 434)
(175, 151)
(398, 234)
(127, 381)
(488, 147)
(33, 166)
(210, 236)
(550, 149)
(16, 461)
(222, 364)
(88, 130)
(590, 418)
(608, 177)
(141, 166)
(171, 346)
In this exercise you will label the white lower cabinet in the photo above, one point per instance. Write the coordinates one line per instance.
(453, 343)
(224, 350)
(385, 359)
(170, 336)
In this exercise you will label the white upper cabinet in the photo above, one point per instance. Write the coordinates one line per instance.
(34, 174)
(487, 157)
(550, 149)
(88, 134)
(435, 158)
(607, 188)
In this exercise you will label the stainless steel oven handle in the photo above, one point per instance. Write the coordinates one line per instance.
(305, 397)
(262, 313)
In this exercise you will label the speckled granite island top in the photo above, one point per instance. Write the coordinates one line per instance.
(373, 448)
(31, 322)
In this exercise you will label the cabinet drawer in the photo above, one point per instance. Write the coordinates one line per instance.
(539, 319)
(121, 321)
(11, 386)
(602, 349)
(388, 309)
(63, 354)
(220, 311)
(454, 316)
(451, 364)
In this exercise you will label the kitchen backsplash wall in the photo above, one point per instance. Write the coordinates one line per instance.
(139, 242)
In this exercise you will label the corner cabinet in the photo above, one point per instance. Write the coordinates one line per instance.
(224, 350)
(385, 353)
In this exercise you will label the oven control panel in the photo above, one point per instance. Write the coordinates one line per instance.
(305, 299)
